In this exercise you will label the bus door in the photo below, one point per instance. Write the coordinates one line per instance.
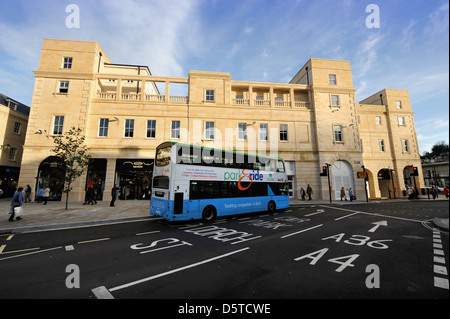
(180, 195)
(194, 201)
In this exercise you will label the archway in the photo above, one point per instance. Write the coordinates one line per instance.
(385, 183)
(342, 173)
(370, 184)
(51, 174)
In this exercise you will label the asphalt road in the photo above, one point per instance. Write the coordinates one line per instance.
(378, 250)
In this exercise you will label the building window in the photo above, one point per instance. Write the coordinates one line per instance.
(242, 131)
(151, 128)
(338, 133)
(335, 100)
(377, 120)
(209, 95)
(263, 132)
(381, 145)
(12, 154)
(63, 86)
(405, 146)
(175, 132)
(401, 120)
(398, 104)
(129, 128)
(58, 123)
(103, 127)
(17, 127)
(67, 63)
(332, 78)
(283, 132)
(209, 130)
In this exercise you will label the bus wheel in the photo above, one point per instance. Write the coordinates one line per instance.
(209, 213)
(272, 207)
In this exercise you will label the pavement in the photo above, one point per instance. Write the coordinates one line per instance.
(38, 217)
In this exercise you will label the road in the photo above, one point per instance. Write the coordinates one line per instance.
(377, 250)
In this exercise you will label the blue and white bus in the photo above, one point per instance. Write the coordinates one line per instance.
(193, 182)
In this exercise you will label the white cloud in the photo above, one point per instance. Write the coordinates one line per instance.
(438, 22)
(366, 56)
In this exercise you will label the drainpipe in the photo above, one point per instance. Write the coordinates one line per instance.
(99, 60)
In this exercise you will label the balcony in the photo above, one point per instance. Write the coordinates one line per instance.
(269, 95)
(142, 88)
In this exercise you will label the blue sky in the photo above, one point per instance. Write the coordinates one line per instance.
(254, 40)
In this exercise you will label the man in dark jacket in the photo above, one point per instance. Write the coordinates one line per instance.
(17, 201)
(114, 193)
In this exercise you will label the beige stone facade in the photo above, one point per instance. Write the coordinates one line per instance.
(14, 119)
(125, 112)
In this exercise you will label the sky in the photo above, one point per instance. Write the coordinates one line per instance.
(253, 40)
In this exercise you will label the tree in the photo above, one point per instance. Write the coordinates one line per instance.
(72, 151)
(440, 149)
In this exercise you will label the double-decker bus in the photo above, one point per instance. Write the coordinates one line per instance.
(194, 182)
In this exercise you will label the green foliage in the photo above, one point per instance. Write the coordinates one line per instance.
(74, 155)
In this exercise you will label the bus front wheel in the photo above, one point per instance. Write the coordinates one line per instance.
(272, 207)
(209, 213)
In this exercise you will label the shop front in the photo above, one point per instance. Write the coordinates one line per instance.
(134, 178)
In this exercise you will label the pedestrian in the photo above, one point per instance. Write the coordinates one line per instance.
(46, 194)
(309, 191)
(343, 193)
(40, 194)
(433, 192)
(410, 193)
(16, 205)
(89, 197)
(351, 195)
(446, 191)
(114, 193)
(302, 193)
(28, 194)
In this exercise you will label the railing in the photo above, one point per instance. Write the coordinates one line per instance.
(131, 96)
(178, 98)
(261, 102)
(283, 103)
(106, 95)
(241, 101)
(138, 97)
(305, 105)
(155, 98)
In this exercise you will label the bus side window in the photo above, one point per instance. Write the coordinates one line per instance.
(280, 166)
(194, 191)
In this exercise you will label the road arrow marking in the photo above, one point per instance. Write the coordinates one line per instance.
(377, 224)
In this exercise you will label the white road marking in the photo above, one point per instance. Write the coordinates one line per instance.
(34, 252)
(373, 214)
(439, 270)
(102, 293)
(174, 270)
(301, 231)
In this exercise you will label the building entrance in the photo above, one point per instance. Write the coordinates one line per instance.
(134, 177)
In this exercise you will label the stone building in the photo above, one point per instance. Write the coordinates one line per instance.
(14, 119)
(125, 112)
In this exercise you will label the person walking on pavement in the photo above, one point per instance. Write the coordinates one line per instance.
(302, 193)
(90, 196)
(114, 193)
(17, 201)
(350, 194)
(309, 191)
(343, 193)
(28, 194)
(446, 191)
(40, 194)
(46, 194)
